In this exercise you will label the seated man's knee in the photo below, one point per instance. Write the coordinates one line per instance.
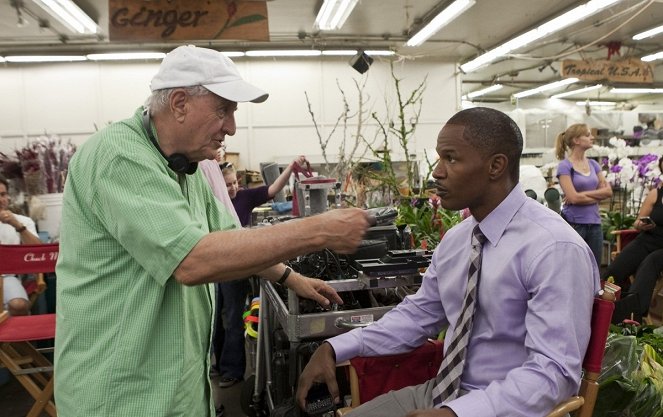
(18, 307)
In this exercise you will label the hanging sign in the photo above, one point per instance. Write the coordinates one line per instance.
(631, 70)
(176, 20)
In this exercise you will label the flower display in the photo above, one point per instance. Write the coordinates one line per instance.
(41, 166)
(427, 219)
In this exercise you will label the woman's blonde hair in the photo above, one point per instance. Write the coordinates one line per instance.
(564, 140)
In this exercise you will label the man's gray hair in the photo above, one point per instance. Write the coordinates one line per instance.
(158, 100)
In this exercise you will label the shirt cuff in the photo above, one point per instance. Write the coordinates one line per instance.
(346, 346)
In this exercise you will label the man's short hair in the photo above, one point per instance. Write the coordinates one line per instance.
(492, 132)
(4, 181)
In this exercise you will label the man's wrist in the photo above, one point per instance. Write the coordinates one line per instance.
(285, 276)
(21, 229)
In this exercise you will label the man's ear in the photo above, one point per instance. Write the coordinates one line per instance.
(498, 165)
(179, 104)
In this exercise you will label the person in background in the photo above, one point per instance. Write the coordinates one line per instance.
(245, 200)
(644, 255)
(143, 240)
(229, 335)
(15, 229)
(583, 184)
(529, 331)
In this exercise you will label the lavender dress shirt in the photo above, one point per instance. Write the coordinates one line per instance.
(532, 323)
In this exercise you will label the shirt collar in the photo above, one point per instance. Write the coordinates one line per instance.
(494, 225)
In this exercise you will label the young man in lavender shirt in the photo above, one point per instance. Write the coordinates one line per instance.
(531, 325)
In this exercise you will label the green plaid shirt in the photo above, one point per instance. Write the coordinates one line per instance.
(131, 340)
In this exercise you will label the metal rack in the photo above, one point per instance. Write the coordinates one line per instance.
(269, 386)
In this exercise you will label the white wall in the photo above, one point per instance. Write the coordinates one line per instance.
(73, 100)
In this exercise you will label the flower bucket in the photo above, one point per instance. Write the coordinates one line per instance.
(50, 221)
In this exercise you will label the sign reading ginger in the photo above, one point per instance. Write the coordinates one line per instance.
(176, 20)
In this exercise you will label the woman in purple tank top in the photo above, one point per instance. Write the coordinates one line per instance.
(583, 184)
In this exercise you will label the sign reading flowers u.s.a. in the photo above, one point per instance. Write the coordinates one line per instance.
(176, 20)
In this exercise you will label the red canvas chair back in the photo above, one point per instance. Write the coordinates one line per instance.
(17, 353)
(28, 259)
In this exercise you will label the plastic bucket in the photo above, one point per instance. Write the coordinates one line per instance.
(52, 214)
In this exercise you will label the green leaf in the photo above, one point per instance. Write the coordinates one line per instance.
(245, 20)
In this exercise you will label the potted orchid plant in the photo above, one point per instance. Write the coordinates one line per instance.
(630, 179)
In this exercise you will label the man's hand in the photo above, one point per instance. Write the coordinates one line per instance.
(314, 289)
(433, 412)
(320, 368)
(8, 217)
(343, 229)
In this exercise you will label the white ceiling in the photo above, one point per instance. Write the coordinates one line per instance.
(378, 24)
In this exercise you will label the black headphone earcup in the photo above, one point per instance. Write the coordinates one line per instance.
(178, 163)
(193, 166)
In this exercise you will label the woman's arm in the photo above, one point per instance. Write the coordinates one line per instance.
(571, 196)
(282, 179)
(645, 210)
(603, 191)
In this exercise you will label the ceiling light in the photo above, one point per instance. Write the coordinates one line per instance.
(553, 25)
(653, 57)
(342, 52)
(648, 33)
(294, 52)
(70, 15)
(578, 91)
(45, 58)
(2, 59)
(482, 92)
(438, 22)
(334, 13)
(379, 53)
(637, 91)
(595, 103)
(125, 56)
(233, 54)
(546, 87)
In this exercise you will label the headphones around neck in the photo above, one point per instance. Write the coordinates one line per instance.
(177, 161)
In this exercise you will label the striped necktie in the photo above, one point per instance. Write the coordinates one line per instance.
(447, 381)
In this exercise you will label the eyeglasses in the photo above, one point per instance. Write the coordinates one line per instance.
(224, 165)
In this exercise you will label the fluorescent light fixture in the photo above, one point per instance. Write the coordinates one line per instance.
(578, 91)
(294, 52)
(482, 92)
(45, 58)
(553, 25)
(341, 52)
(653, 57)
(334, 13)
(546, 87)
(648, 33)
(438, 22)
(233, 54)
(70, 15)
(125, 56)
(380, 53)
(637, 91)
(2, 59)
(596, 103)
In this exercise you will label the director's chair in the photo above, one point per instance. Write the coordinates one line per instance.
(18, 333)
(370, 377)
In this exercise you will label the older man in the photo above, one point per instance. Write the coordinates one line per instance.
(143, 239)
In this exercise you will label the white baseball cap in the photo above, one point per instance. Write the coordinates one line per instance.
(187, 66)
